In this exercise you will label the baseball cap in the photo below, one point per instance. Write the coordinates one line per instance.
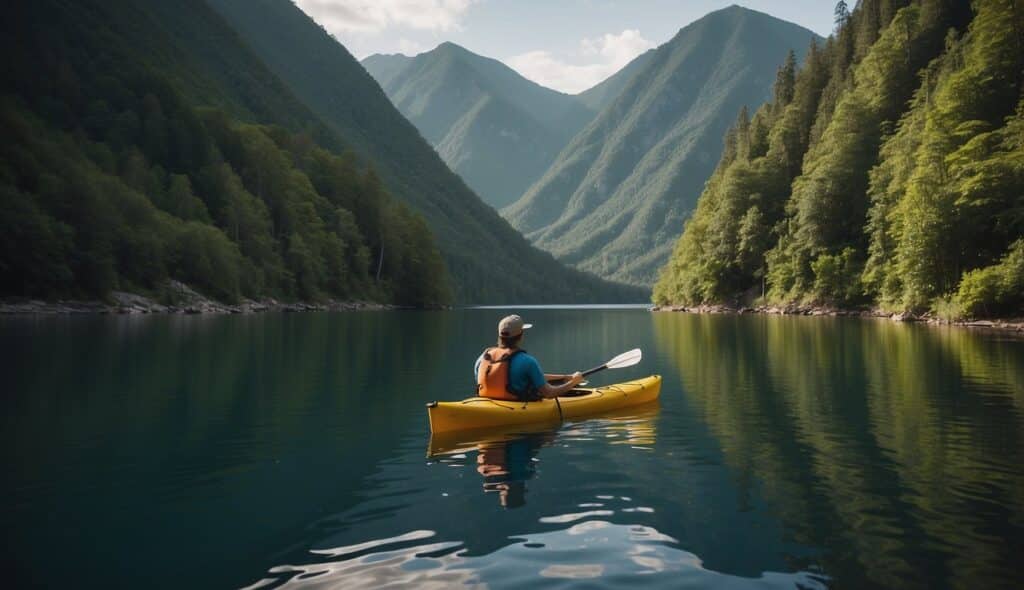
(512, 326)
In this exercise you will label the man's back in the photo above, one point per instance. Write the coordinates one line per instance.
(524, 373)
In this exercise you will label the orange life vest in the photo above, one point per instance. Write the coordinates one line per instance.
(492, 376)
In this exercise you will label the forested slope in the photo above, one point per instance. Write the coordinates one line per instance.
(488, 260)
(601, 95)
(614, 199)
(125, 163)
(893, 175)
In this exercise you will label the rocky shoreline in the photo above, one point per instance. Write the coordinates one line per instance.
(184, 301)
(1011, 324)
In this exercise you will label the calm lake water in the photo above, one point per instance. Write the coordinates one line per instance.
(289, 450)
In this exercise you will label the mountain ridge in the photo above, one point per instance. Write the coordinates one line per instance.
(489, 261)
(613, 200)
(133, 161)
(599, 95)
(492, 126)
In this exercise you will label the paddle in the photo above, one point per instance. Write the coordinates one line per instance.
(626, 359)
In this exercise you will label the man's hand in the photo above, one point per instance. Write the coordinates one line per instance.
(549, 390)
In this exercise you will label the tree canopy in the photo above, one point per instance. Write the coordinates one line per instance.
(894, 177)
(112, 178)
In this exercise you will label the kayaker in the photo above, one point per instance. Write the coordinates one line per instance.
(507, 372)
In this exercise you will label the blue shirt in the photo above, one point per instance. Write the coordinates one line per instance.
(524, 373)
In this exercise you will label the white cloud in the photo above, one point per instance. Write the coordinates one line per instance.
(606, 55)
(372, 16)
(547, 70)
(617, 49)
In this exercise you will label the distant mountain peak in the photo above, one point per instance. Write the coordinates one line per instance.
(735, 11)
(450, 46)
(493, 126)
(614, 199)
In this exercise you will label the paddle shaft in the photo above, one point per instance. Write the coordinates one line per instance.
(584, 373)
(626, 359)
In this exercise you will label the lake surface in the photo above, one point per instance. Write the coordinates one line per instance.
(291, 450)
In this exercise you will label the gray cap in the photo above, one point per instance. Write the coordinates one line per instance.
(512, 326)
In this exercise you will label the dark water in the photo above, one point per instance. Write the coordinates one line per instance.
(291, 450)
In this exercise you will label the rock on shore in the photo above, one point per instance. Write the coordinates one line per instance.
(1013, 324)
(185, 301)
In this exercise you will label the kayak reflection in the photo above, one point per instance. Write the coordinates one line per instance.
(507, 459)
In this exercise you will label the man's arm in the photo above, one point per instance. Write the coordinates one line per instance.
(549, 391)
(538, 380)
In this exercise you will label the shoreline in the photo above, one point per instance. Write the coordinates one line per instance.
(1005, 324)
(79, 307)
(186, 302)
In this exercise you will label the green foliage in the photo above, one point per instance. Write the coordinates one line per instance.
(111, 179)
(946, 309)
(888, 182)
(837, 277)
(912, 204)
(488, 261)
(613, 200)
(722, 253)
(965, 174)
(827, 208)
(203, 256)
(33, 246)
(993, 290)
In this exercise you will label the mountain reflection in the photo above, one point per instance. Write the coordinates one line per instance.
(895, 448)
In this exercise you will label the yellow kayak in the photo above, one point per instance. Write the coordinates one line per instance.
(631, 425)
(481, 412)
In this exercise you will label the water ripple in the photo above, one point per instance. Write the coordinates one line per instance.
(605, 554)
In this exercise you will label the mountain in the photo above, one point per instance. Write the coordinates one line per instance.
(488, 260)
(891, 177)
(182, 155)
(495, 128)
(385, 67)
(611, 87)
(127, 162)
(614, 199)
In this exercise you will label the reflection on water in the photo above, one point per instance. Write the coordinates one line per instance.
(595, 550)
(289, 450)
(506, 459)
(183, 435)
(506, 465)
(896, 448)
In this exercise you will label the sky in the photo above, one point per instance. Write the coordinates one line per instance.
(568, 45)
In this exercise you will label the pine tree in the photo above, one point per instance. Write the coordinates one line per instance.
(946, 216)
(841, 15)
(743, 134)
(828, 209)
(785, 82)
(823, 209)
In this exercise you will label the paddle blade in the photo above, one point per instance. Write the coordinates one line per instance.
(626, 359)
